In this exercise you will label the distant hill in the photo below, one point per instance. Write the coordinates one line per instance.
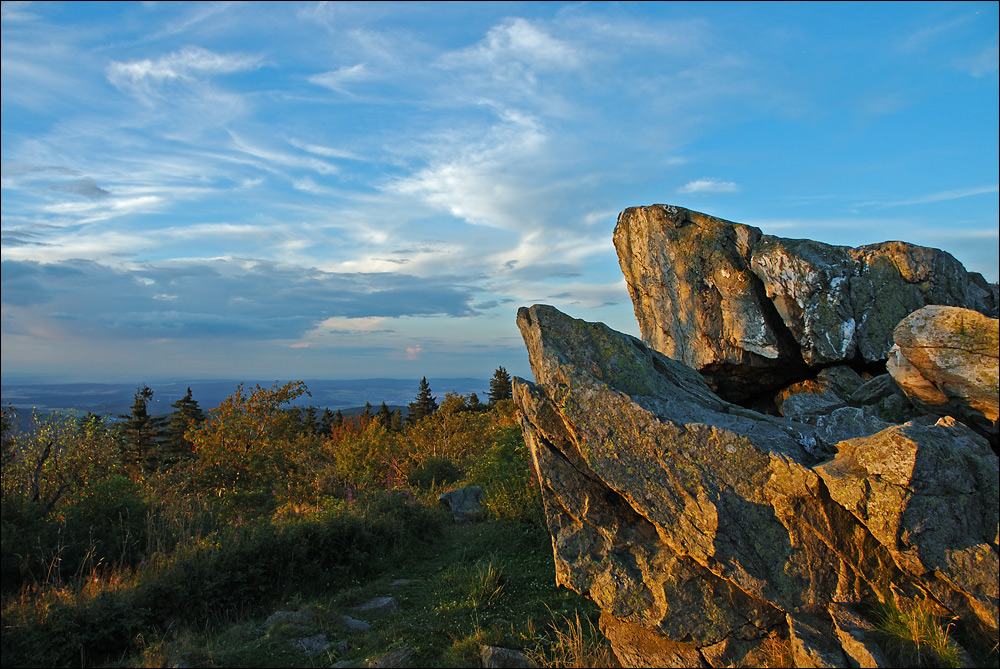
(349, 395)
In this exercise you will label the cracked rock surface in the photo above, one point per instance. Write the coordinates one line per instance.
(703, 529)
(752, 311)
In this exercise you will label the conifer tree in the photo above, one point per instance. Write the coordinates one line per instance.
(326, 421)
(141, 430)
(186, 414)
(384, 416)
(500, 388)
(424, 405)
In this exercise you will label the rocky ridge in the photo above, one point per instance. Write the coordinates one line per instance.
(705, 530)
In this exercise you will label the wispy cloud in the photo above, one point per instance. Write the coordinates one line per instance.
(187, 63)
(940, 196)
(704, 186)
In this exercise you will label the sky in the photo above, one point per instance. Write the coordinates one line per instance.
(359, 190)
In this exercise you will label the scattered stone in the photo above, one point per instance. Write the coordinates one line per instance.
(947, 361)
(397, 658)
(312, 644)
(464, 502)
(497, 657)
(379, 605)
(398, 582)
(356, 625)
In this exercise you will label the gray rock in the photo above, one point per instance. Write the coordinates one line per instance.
(876, 389)
(496, 657)
(754, 312)
(397, 658)
(356, 625)
(464, 502)
(312, 644)
(709, 526)
(807, 407)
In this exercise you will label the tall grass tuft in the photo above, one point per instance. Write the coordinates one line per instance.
(570, 643)
(916, 638)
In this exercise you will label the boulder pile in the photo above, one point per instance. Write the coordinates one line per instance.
(706, 530)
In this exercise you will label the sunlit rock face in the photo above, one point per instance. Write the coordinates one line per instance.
(753, 312)
(703, 529)
(947, 361)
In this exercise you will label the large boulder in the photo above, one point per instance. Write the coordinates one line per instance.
(753, 311)
(947, 361)
(704, 530)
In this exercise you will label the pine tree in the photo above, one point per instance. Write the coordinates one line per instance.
(424, 405)
(186, 414)
(326, 421)
(500, 388)
(141, 430)
(384, 416)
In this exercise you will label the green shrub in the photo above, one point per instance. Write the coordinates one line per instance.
(435, 470)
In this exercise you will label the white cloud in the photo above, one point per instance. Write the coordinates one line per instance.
(337, 80)
(700, 186)
(183, 64)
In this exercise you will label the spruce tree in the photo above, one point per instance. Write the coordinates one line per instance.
(384, 416)
(500, 388)
(326, 421)
(141, 430)
(424, 405)
(186, 414)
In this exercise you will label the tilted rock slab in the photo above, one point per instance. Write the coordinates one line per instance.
(947, 361)
(752, 311)
(715, 527)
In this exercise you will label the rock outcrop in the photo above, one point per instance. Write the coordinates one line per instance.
(947, 361)
(704, 529)
(753, 312)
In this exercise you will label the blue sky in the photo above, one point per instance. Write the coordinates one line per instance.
(340, 190)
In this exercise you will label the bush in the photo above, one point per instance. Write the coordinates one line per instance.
(435, 470)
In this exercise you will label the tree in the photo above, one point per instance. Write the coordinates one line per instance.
(424, 405)
(186, 415)
(140, 429)
(245, 446)
(500, 388)
(384, 416)
(326, 421)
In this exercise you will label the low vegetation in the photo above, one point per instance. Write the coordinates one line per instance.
(127, 542)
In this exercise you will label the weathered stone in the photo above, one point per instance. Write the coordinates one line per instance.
(876, 389)
(947, 361)
(705, 523)
(356, 625)
(810, 285)
(697, 299)
(311, 645)
(637, 647)
(497, 657)
(754, 312)
(840, 380)
(807, 407)
(464, 502)
(396, 658)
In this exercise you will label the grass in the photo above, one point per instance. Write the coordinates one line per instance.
(917, 637)
(476, 584)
